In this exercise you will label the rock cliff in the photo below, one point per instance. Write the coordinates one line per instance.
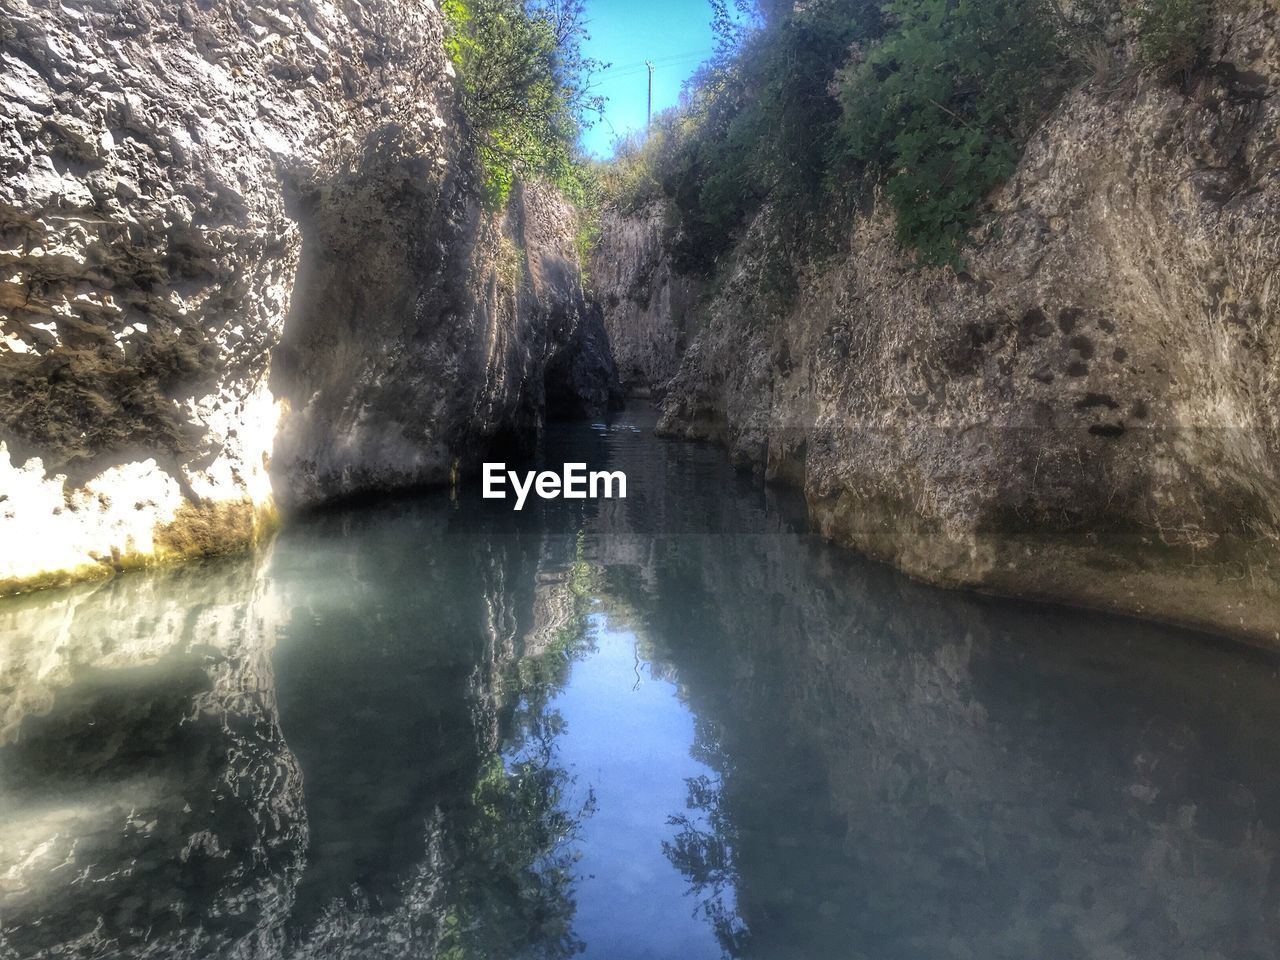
(646, 302)
(243, 251)
(1090, 411)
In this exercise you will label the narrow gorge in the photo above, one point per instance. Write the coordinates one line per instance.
(937, 344)
(248, 267)
(1088, 412)
(258, 274)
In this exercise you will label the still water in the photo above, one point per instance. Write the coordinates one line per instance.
(668, 728)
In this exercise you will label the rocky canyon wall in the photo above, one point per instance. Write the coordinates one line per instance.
(646, 303)
(243, 258)
(1089, 412)
(426, 330)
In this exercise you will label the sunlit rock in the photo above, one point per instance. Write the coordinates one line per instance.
(197, 201)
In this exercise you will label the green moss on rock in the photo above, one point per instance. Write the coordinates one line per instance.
(197, 530)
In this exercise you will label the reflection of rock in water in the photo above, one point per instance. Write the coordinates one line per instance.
(898, 772)
(910, 773)
(149, 806)
(402, 686)
(555, 609)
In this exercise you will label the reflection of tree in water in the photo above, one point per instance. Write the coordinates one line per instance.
(495, 872)
(705, 848)
(513, 892)
(512, 849)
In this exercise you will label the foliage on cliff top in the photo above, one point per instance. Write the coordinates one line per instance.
(930, 100)
(764, 123)
(940, 108)
(525, 88)
(756, 123)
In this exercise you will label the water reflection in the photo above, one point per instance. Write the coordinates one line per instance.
(149, 805)
(704, 850)
(630, 736)
(900, 773)
(415, 673)
(666, 727)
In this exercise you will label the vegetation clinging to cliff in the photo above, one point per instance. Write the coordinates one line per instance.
(760, 124)
(524, 84)
(1172, 32)
(930, 97)
(941, 107)
(931, 101)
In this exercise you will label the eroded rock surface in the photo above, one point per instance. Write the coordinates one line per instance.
(427, 330)
(167, 168)
(646, 302)
(1090, 412)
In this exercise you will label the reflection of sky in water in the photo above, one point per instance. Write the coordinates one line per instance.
(628, 739)
(383, 737)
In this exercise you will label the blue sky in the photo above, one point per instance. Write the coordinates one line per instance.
(674, 34)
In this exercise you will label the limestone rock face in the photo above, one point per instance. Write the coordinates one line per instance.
(426, 330)
(169, 172)
(645, 301)
(1090, 411)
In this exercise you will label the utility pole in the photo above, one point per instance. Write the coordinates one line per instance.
(649, 120)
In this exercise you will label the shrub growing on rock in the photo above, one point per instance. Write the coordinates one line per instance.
(762, 121)
(1172, 33)
(942, 105)
(931, 99)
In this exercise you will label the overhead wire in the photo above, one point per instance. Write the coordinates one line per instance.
(619, 71)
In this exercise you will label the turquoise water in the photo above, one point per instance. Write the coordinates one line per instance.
(674, 726)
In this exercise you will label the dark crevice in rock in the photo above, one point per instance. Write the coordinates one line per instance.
(426, 331)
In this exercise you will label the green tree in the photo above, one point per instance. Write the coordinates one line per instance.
(525, 88)
(942, 106)
(805, 110)
(765, 122)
